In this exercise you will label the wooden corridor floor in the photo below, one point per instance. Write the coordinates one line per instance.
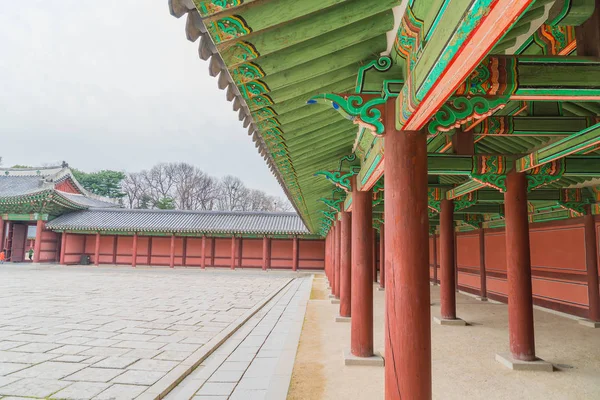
(463, 357)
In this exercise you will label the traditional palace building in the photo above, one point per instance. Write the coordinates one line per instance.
(465, 132)
(72, 222)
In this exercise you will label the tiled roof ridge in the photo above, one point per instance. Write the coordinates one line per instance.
(158, 211)
(31, 168)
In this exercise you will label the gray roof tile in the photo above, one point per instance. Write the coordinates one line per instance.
(20, 185)
(210, 222)
(87, 201)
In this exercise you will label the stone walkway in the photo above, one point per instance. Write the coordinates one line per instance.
(256, 362)
(116, 332)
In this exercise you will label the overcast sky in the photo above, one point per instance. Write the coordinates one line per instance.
(114, 84)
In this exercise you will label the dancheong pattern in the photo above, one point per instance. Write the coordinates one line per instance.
(240, 52)
(490, 171)
(209, 7)
(247, 72)
(228, 28)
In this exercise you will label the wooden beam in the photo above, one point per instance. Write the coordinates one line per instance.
(585, 139)
(468, 35)
(465, 188)
(532, 126)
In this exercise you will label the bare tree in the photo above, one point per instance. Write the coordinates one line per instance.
(134, 188)
(186, 187)
(160, 182)
(281, 204)
(207, 193)
(232, 194)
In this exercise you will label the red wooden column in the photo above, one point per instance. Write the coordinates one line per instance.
(407, 317)
(361, 333)
(212, 252)
(382, 256)
(518, 268)
(2, 234)
(482, 273)
(345, 264)
(97, 250)
(327, 252)
(295, 254)
(63, 247)
(149, 250)
(269, 252)
(331, 258)
(264, 254)
(240, 251)
(232, 252)
(435, 259)
(115, 248)
(448, 278)
(203, 262)
(334, 260)
(374, 255)
(338, 257)
(172, 253)
(37, 247)
(591, 262)
(134, 250)
(184, 252)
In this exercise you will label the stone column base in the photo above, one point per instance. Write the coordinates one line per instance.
(331, 296)
(381, 289)
(339, 318)
(335, 301)
(508, 361)
(375, 360)
(481, 298)
(589, 323)
(451, 322)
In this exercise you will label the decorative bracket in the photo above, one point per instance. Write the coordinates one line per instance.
(572, 199)
(332, 204)
(490, 171)
(329, 215)
(435, 197)
(466, 201)
(377, 222)
(340, 178)
(366, 106)
(474, 220)
(364, 110)
(545, 174)
(460, 110)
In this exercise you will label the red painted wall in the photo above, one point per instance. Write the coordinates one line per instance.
(557, 261)
(49, 247)
(311, 253)
(66, 186)
(467, 252)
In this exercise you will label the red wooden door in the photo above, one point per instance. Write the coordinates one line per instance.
(18, 242)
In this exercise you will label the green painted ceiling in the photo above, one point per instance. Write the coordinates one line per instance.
(273, 55)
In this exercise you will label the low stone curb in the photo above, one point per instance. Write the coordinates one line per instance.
(168, 382)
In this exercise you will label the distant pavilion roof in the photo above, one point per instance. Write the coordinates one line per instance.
(175, 221)
(51, 190)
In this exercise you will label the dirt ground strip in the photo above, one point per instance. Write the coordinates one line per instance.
(463, 358)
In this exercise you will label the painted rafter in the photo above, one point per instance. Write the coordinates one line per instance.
(500, 79)
(433, 74)
(585, 139)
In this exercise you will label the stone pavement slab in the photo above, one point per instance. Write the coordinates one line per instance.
(257, 361)
(113, 332)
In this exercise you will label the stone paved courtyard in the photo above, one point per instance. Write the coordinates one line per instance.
(114, 332)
